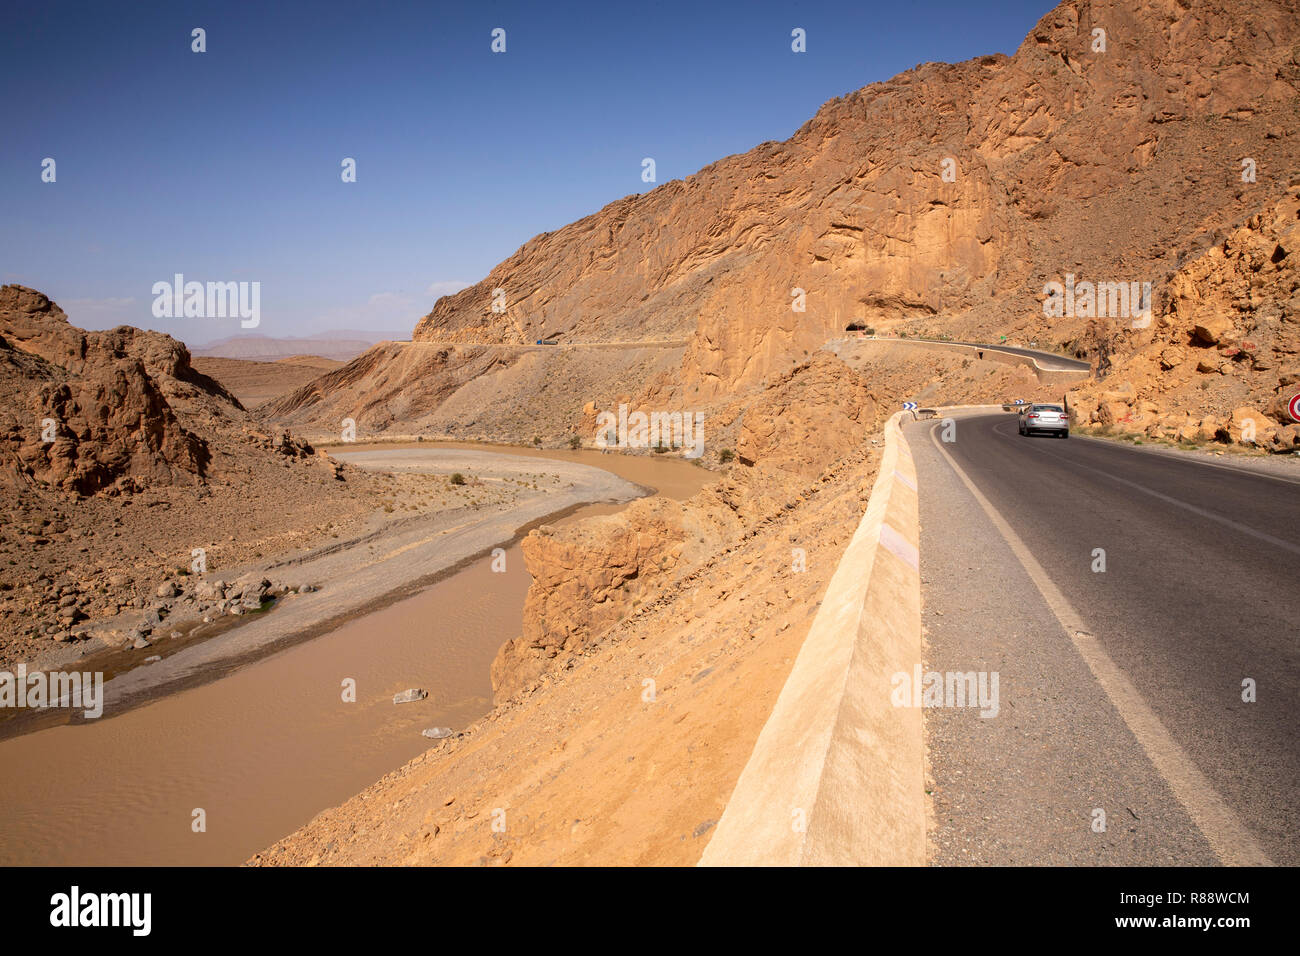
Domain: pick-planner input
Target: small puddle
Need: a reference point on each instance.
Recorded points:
(265, 748)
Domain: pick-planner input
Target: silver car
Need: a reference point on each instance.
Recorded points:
(1048, 419)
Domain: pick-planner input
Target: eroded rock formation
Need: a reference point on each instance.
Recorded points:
(1221, 358)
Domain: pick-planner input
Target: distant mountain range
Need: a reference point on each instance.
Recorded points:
(343, 345)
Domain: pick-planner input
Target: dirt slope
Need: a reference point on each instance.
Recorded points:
(654, 644)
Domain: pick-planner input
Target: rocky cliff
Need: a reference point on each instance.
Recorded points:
(1220, 359)
(944, 198)
(89, 409)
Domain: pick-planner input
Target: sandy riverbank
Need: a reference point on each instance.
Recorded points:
(503, 496)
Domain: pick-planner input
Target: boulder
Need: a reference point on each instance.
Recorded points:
(1250, 426)
(1285, 439)
(1112, 413)
(1171, 357)
(1212, 328)
(210, 590)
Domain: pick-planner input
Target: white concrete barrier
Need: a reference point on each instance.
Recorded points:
(837, 774)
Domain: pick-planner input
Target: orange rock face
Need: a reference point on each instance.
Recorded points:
(1110, 147)
(949, 191)
(1221, 360)
(91, 408)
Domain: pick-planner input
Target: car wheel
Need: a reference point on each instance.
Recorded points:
(1065, 434)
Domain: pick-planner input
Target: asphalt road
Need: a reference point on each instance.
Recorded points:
(1048, 360)
(1119, 690)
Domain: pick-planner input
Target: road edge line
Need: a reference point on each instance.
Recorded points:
(1228, 837)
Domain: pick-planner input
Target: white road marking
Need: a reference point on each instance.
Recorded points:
(1190, 458)
(1179, 503)
(1231, 841)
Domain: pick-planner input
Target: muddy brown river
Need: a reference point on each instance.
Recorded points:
(261, 750)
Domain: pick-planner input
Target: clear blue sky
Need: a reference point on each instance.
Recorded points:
(225, 165)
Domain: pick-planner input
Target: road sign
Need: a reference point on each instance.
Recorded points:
(1293, 406)
(909, 406)
(1018, 401)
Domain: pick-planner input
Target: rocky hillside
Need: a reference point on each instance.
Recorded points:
(1221, 358)
(118, 460)
(943, 198)
(590, 575)
(1053, 149)
(89, 411)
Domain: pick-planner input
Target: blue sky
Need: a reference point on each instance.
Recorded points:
(225, 165)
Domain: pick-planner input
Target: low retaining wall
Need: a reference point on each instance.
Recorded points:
(1046, 376)
(837, 775)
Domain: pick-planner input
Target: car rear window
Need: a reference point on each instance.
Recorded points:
(1048, 408)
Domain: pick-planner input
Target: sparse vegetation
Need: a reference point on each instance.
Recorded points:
(726, 455)
(457, 478)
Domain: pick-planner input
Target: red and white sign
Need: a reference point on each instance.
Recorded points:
(1293, 406)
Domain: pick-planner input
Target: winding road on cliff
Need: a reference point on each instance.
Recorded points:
(1129, 600)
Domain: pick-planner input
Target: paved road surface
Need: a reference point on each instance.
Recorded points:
(1118, 690)
(1048, 360)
